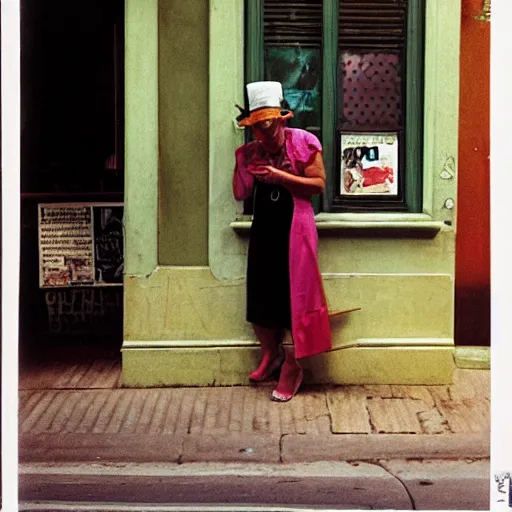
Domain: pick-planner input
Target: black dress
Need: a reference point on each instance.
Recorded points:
(268, 274)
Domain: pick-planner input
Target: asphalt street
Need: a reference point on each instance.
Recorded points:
(398, 485)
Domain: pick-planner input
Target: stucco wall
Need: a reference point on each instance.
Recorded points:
(404, 285)
(190, 304)
(183, 132)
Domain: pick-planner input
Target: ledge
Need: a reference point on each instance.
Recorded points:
(241, 343)
(383, 225)
(401, 361)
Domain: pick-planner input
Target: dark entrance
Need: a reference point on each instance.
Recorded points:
(72, 83)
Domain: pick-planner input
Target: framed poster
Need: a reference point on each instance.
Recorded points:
(80, 244)
(369, 164)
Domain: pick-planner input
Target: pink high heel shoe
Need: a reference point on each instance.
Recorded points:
(280, 396)
(272, 368)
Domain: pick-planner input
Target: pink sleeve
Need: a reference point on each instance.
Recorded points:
(243, 181)
(306, 145)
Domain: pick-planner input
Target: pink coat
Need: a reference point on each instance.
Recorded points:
(310, 317)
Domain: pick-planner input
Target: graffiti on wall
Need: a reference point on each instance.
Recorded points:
(82, 310)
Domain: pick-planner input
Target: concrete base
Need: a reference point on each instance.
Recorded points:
(473, 358)
(411, 361)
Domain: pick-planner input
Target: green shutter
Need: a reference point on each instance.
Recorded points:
(375, 24)
(292, 23)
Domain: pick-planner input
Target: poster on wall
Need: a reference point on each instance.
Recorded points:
(369, 163)
(80, 244)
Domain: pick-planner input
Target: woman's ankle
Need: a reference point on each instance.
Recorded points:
(291, 373)
(270, 363)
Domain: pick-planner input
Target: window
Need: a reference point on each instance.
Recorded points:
(352, 71)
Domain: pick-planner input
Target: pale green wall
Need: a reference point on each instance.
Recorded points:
(141, 136)
(404, 286)
(183, 125)
(375, 254)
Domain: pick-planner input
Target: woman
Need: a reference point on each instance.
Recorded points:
(283, 168)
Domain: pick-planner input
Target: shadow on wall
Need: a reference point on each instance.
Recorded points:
(473, 316)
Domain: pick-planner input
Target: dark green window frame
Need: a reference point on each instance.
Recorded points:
(409, 198)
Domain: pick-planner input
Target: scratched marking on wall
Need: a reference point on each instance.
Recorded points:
(80, 310)
(448, 171)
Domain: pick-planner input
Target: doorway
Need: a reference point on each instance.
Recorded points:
(72, 147)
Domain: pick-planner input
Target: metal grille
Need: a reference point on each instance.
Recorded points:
(372, 24)
(293, 23)
(372, 92)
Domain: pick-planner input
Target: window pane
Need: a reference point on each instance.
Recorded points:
(293, 40)
(370, 91)
(370, 96)
(299, 70)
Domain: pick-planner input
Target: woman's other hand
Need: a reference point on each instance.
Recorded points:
(313, 181)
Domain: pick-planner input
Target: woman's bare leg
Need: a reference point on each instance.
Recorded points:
(270, 341)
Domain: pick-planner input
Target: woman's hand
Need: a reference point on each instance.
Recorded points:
(313, 181)
(269, 174)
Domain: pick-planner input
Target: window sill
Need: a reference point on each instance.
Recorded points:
(383, 225)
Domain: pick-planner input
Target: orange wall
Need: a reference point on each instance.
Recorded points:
(472, 281)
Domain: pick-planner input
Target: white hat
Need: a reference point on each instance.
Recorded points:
(264, 103)
(264, 94)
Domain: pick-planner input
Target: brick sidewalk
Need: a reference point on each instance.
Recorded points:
(77, 411)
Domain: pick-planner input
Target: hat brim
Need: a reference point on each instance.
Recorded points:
(265, 114)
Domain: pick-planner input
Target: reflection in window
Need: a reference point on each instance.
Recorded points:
(299, 71)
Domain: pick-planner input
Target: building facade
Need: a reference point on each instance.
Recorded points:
(186, 64)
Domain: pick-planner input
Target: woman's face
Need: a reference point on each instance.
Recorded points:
(265, 125)
(270, 133)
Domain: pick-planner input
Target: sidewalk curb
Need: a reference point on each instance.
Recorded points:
(330, 484)
(249, 448)
(297, 448)
(391, 484)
